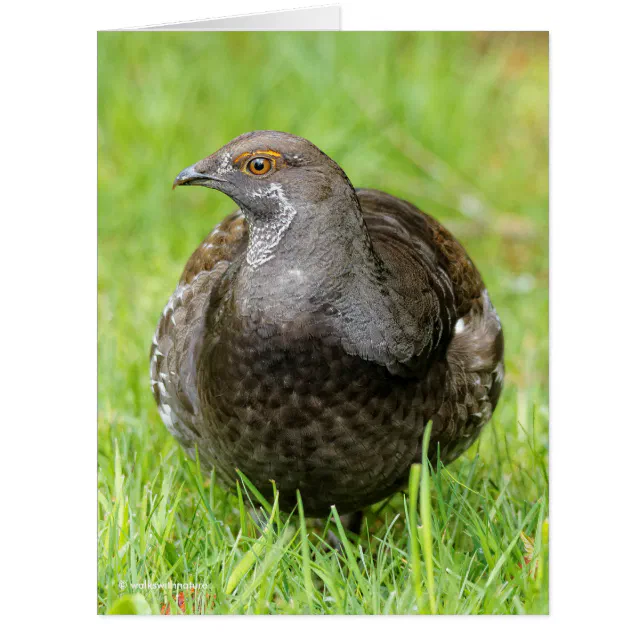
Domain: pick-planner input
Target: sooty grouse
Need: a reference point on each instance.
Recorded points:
(317, 330)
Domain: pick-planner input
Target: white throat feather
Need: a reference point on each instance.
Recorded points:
(264, 236)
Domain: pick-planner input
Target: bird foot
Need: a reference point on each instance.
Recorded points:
(352, 524)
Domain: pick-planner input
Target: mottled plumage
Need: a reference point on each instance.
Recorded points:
(316, 331)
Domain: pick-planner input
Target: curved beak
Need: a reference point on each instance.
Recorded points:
(190, 177)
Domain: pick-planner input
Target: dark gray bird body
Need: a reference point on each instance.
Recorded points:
(317, 330)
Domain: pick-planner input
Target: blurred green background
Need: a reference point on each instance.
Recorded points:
(457, 123)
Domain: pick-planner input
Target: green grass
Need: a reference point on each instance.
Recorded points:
(457, 124)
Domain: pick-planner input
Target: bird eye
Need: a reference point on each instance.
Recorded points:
(259, 165)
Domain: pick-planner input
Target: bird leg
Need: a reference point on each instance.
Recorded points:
(351, 523)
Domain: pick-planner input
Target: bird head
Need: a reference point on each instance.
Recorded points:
(268, 174)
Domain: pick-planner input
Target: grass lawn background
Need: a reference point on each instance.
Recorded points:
(457, 123)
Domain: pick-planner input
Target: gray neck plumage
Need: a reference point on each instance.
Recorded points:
(299, 252)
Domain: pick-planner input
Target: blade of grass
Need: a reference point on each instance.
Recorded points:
(513, 543)
(306, 558)
(350, 557)
(256, 493)
(255, 552)
(414, 554)
(426, 518)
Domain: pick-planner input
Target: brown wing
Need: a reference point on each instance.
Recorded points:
(389, 218)
(180, 330)
(474, 343)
